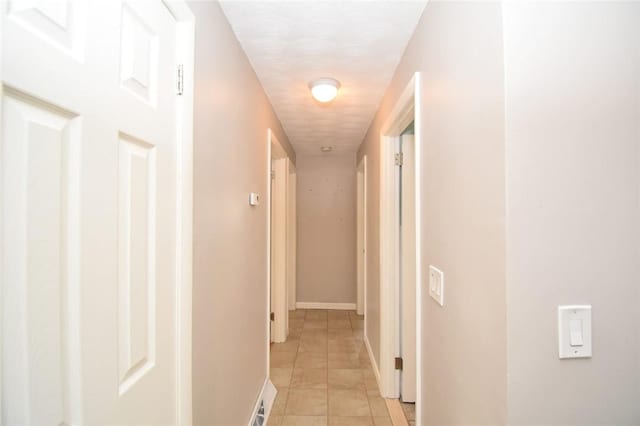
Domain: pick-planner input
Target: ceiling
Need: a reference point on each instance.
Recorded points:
(291, 43)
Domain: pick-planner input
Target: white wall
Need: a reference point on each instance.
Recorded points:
(573, 191)
(232, 115)
(326, 191)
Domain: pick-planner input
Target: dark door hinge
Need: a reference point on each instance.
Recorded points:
(398, 363)
(272, 316)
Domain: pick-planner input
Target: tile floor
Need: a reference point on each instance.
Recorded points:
(410, 413)
(323, 374)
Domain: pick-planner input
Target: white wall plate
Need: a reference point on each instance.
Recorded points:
(436, 284)
(574, 331)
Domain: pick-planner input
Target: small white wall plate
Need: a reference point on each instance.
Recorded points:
(574, 331)
(436, 284)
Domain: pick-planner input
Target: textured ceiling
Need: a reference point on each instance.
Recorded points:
(292, 43)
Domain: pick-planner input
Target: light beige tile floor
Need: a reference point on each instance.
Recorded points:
(323, 374)
(410, 413)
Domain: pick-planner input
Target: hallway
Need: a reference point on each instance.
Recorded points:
(251, 212)
(323, 374)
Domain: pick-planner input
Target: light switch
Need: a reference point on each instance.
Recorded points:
(436, 284)
(254, 199)
(574, 331)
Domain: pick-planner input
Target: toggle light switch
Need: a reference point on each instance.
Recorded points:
(574, 331)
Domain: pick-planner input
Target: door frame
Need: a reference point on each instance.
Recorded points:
(1, 220)
(407, 109)
(361, 245)
(277, 289)
(185, 41)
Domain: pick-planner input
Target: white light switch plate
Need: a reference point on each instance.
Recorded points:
(436, 284)
(254, 199)
(574, 331)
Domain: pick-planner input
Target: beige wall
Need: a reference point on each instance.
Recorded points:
(573, 156)
(326, 203)
(567, 207)
(458, 48)
(571, 98)
(232, 115)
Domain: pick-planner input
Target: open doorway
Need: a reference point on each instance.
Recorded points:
(400, 266)
(281, 239)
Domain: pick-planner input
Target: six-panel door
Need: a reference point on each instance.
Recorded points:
(88, 212)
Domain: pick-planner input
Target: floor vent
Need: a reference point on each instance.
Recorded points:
(259, 419)
(263, 405)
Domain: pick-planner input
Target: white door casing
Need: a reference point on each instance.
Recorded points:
(1, 229)
(408, 271)
(406, 110)
(96, 208)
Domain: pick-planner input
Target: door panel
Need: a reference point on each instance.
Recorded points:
(58, 23)
(136, 260)
(291, 240)
(40, 236)
(279, 249)
(89, 184)
(408, 267)
(361, 235)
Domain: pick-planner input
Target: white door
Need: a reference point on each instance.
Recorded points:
(279, 303)
(408, 271)
(272, 272)
(291, 240)
(88, 190)
(361, 234)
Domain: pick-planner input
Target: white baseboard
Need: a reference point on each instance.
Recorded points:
(398, 418)
(372, 359)
(268, 395)
(322, 305)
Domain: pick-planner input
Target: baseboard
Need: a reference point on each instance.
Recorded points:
(398, 418)
(322, 305)
(394, 407)
(372, 359)
(268, 395)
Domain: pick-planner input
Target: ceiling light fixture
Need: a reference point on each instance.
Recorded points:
(326, 149)
(324, 89)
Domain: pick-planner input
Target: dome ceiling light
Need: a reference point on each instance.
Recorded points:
(324, 89)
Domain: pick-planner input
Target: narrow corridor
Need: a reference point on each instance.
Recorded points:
(323, 374)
